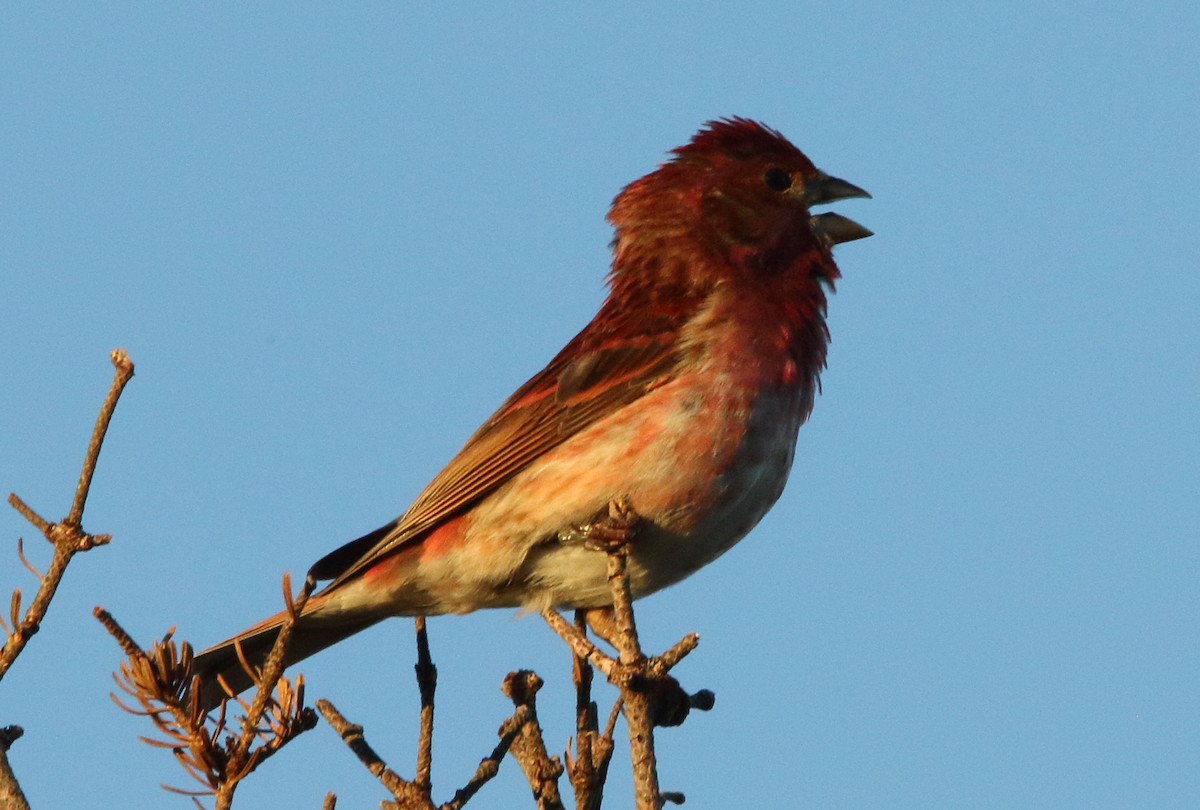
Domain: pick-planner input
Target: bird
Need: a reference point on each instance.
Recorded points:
(682, 398)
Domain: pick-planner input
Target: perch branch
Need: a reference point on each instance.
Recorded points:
(649, 695)
(67, 537)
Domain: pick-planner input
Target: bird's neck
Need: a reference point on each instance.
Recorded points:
(764, 308)
(780, 343)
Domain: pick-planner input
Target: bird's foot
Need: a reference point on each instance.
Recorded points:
(608, 533)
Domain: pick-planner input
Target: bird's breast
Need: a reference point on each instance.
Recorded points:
(700, 458)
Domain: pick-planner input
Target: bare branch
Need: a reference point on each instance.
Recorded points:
(637, 710)
(580, 644)
(124, 373)
(519, 732)
(427, 685)
(287, 717)
(529, 749)
(649, 695)
(67, 537)
(26, 511)
(490, 765)
(10, 790)
(588, 768)
(406, 793)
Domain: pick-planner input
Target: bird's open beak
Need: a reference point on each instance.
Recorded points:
(825, 189)
(833, 228)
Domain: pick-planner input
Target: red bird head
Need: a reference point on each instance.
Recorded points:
(732, 204)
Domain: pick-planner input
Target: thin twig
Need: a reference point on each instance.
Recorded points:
(241, 760)
(25, 560)
(518, 731)
(509, 733)
(124, 373)
(581, 676)
(588, 769)
(427, 686)
(639, 718)
(610, 727)
(352, 734)
(26, 511)
(628, 646)
(679, 650)
(529, 748)
(649, 695)
(67, 537)
(167, 691)
(579, 643)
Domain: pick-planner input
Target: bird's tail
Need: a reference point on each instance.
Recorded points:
(312, 634)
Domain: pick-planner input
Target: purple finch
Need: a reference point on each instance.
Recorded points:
(682, 398)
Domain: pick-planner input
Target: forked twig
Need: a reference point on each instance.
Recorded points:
(352, 735)
(68, 539)
(649, 695)
(409, 795)
(588, 768)
(518, 733)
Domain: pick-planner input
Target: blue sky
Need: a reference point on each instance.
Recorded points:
(334, 239)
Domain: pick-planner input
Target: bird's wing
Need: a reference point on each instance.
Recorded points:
(580, 386)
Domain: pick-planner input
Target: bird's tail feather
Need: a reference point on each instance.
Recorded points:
(311, 635)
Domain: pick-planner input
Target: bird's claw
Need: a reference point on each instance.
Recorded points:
(609, 533)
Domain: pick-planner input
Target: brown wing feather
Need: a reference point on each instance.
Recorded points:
(577, 388)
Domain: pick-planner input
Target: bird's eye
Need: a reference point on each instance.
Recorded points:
(777, 179)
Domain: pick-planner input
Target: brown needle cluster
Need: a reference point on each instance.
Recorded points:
(215, 751)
